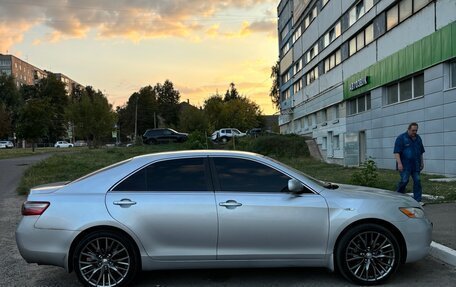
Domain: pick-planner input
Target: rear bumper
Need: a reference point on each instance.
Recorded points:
(43, 246)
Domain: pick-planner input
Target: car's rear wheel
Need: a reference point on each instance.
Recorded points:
(368, 254)
(224, 139)
(105, 258)
(151, 141)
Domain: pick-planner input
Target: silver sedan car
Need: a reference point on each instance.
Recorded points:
(217, 209)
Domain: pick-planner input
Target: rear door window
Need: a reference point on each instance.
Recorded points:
(189, 174)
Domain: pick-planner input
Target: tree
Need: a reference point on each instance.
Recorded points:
(92, 115)
(213, 107)
(274, 92)
(192, 119)
(237, 112)
(145, 101)
(231, 93)
(34, 120)
(10, 103)
(5, 121)
(168, 102)
(52, 92)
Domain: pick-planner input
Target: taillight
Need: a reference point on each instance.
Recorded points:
(34, 207)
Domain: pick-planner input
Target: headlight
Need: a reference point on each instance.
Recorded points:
(412, 212)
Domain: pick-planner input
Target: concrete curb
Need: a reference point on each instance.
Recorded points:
(443, 253)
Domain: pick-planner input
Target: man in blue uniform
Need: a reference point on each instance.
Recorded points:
(408, 151)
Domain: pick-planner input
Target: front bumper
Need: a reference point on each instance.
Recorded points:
(417, 234)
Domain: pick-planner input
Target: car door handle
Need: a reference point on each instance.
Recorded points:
(124, 202)
(230, 204)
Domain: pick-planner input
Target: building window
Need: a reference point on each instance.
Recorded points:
(453, 74)
(403, 10)
(392, 18)
(332, 61)
(297, 67)
(297, 86)
(359, 10)
(312, 75)
(332, 35)
(312, 53)
(336, 142)
(304, 124)
(5, 63)
(286, 77)
(404, 90)
(286, 48)
(336, 112)
(285, 95)
(309, 18)
(313, 119)
(361, 40)
(418, 4)
(324, 143)
(297, 35)
(359, 105)
(285, 31)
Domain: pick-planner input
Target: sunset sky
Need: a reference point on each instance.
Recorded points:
(119, 46)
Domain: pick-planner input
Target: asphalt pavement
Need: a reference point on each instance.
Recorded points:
(443, 217)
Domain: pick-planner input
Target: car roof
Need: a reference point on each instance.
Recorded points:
(197, 153)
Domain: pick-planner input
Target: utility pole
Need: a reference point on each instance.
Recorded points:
(136, 118)
(155, 121)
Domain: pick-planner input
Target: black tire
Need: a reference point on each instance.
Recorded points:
(224, 139)
(113, 258)
(151, 141)
(368, 254)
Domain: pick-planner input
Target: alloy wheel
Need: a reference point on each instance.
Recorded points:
(370, 256)
(104, 261)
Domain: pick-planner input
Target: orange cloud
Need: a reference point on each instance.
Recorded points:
(135, 20)
(12, 33)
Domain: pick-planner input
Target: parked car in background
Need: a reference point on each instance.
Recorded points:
(155, 136)
(60, 144)
(226, 134)
(255, 132)
(80, 143)
(6, 144)
(215, 209)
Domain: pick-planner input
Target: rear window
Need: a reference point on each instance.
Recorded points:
(103, 169)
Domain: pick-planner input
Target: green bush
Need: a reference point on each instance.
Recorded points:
(367, 175)
(197, 140)
(275, 145)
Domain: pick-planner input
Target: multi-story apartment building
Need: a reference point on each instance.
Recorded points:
(27, 74)
(355, 73)
(23, 72)
(70, 85)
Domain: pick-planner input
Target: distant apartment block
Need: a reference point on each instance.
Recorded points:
(355, 73)
(27, 74)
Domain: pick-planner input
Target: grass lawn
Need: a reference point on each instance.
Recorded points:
(69, 166)
(21, 152)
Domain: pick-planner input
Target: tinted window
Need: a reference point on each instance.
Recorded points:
(249, 176)
(171, 175)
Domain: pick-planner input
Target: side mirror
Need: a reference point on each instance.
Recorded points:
(295, 186)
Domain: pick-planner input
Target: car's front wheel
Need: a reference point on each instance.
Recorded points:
(105, 258)
(368, 254)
